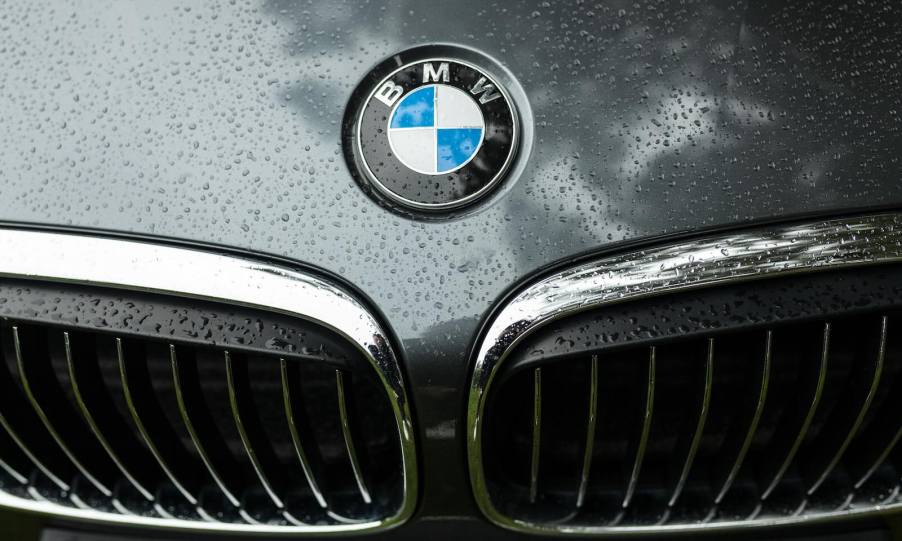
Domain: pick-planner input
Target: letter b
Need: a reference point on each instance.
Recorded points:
(389, 93)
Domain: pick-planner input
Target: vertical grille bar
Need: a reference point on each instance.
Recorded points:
(290, 391)
(590, 433)
(349, 438)
(753, 425)
(536, 435)
(65, 419)
(12, 461)
(201, 427)
(809, 416)
(646, 428)
(866, 404)
(256, 445)
(161, 440)
(699, 426)
(131, 461)
(15, 412)
(240, 410)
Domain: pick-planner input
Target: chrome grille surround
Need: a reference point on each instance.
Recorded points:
(737, 257)
(190, 273)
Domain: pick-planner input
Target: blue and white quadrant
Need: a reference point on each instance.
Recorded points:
(436, 129)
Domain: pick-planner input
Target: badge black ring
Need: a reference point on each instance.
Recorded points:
(457, 203)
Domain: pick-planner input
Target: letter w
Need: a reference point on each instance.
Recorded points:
(488, 91)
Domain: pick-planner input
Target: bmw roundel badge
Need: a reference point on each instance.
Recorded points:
(436, 134)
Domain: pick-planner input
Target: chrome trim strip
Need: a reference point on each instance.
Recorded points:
(730, 258)
(191, 273)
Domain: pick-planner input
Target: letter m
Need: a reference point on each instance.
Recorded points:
(429, 72)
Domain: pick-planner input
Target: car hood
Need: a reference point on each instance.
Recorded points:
(222, 124)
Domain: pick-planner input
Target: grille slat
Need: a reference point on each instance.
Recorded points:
(861, 394)
(248, 428)
(201, 427)
(291, 390)
(876, 443)
(16, 414)
(100, 414)
(704, 405)
(753, 423)
(255, 442)
(642, 445)
(535, 455)
(779, 461)
(148, 417)
(64, 424)
(348, 438)
(591, 422)
(13, 461)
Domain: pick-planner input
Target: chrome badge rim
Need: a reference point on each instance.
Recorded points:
(384, 157)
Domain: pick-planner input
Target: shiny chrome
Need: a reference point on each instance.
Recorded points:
(191, 273)
(753, 424)
(591, 421)
(142, 428)
(809, 417)
(496, 178)
(13, 472)
(26, 448)
(646, 429)
(536, 434)
(36, 405)
(242, 433)
(92, 423)
(349, 438)
(199, 445)
(865, 406)
(731, 258)
(287, 396)
(239, 404)
(881, 458)
(699, 426)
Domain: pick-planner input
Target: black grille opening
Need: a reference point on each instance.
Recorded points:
(153, 406)
(734, 404)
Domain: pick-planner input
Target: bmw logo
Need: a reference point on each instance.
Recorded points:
(436, 134)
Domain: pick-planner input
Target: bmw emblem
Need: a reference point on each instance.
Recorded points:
(436, 134)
